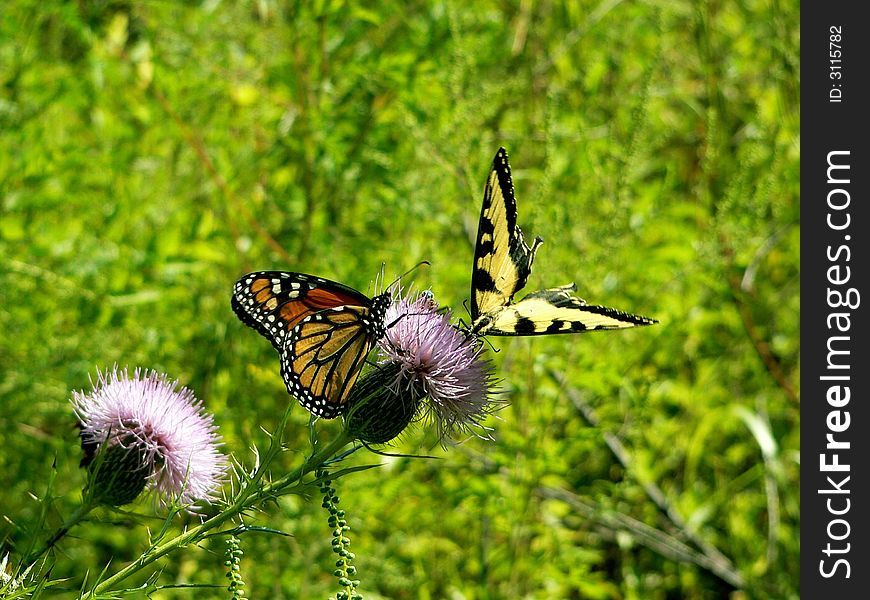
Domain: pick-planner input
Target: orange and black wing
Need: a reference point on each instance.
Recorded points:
(274, 302)
(322, 329)
(324, 355)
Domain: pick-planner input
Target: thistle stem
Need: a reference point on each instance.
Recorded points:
(247, 497)
(74, 519)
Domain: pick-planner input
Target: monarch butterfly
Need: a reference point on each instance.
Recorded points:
(502, 264)
(322, 329)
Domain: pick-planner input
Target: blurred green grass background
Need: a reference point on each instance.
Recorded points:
(153, 152)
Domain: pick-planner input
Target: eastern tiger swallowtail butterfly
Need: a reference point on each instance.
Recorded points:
(502, 264)
(323, 331)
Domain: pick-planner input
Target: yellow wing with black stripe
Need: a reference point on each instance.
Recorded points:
(502, 264)
(502, 259)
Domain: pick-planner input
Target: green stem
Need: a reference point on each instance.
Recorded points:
(74, 519)
(317, 460)
(246, 498)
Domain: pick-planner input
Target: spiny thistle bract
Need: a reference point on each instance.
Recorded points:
(377, 412)
(147, 432)
(120, 473)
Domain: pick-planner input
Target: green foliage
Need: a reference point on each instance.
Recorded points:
(151, 153)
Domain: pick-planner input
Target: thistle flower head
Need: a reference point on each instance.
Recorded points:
(432, 364)
(152, 432)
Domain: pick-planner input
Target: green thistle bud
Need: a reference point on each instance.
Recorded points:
(377, 411)
(121, 475)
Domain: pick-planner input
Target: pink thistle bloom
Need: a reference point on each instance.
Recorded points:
(174, 439)
(439, 361)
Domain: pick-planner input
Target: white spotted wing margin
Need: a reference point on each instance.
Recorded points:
(502, 264)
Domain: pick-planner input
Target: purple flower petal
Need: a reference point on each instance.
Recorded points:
(175, 434)
(441, 361)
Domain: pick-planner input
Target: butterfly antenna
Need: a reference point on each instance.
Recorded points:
(402, 316)
(406, 273)
(424, 294)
